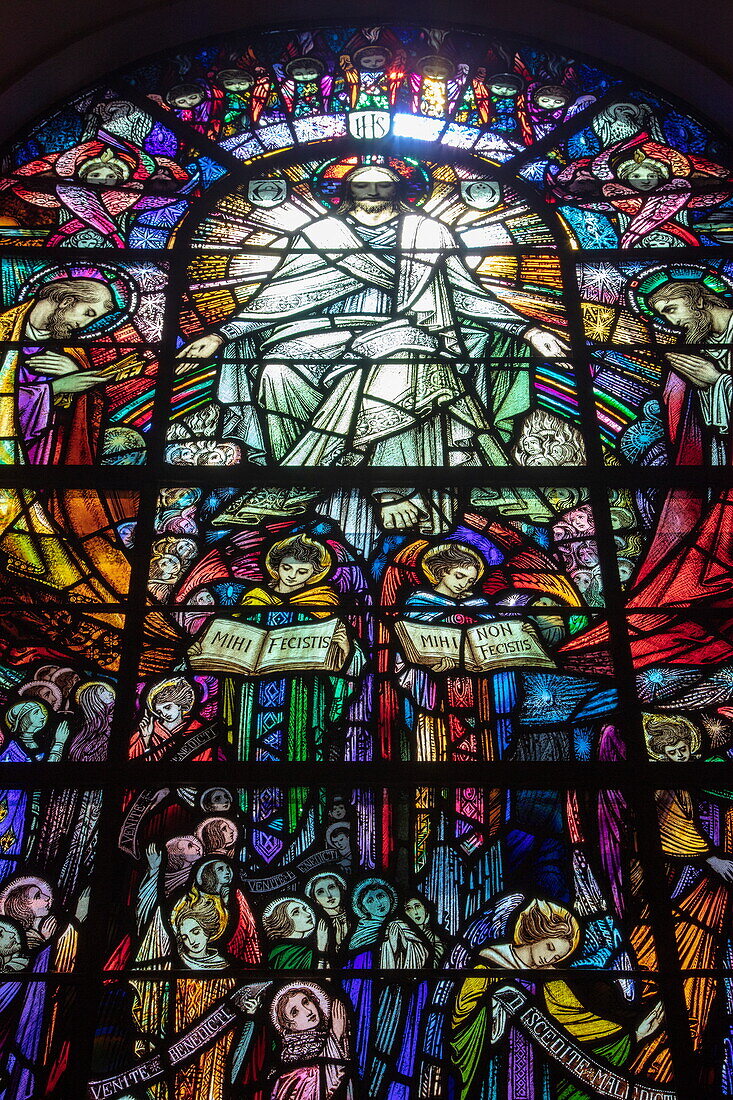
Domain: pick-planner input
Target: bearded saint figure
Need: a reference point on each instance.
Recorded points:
(689, 559)
(373, 337)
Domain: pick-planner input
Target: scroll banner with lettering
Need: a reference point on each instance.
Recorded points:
(146, 801)
(602, 1080)
(187, 1045)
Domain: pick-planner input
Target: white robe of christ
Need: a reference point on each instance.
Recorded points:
(362, 336)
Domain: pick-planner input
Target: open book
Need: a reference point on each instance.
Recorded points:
(485, 647)
(231, 646)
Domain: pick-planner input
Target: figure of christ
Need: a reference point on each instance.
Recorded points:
(48, 413)
(290, 717)
(363, 333)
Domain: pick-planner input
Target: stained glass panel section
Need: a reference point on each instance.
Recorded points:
(366, 757)
(408, 922)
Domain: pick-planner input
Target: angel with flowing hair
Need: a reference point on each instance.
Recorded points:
(97, 186)
(535, 935)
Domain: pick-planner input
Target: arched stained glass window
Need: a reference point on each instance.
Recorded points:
(366, 658)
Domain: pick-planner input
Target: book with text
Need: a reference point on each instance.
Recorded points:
(484, 647)
(231, 646)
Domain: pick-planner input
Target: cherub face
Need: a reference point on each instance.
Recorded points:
(294, 574)
(436, 70)
(241, 83)
(459, 580)
(104, 175)
(643, 178)
(373, 61)
(186, 101)
(304, 72)
(503, 89)
(301, 1013)
(548, 101)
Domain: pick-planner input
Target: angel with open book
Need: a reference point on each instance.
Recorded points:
(306, 668)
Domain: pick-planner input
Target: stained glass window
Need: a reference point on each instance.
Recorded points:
(366, 664)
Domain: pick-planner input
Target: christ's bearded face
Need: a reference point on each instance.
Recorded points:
(373, 191)
(694, 320)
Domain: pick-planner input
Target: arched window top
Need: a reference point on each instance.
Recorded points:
(235, 144)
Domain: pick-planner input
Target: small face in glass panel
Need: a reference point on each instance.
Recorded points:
(327, 893)
(192, 937)
(235, 80)
(169, 713)
(642, 174)
(300, 1012)
(436, 68)
(304, 70)
(185, 97)
(222, 872)
(293, 574)
(372, 60)
(416, 911)
(372, 188)
(678, 753)
(551, 98)
(377, 902)
(458, 581)
(505, 86)
(302, 919)
(549, 952)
